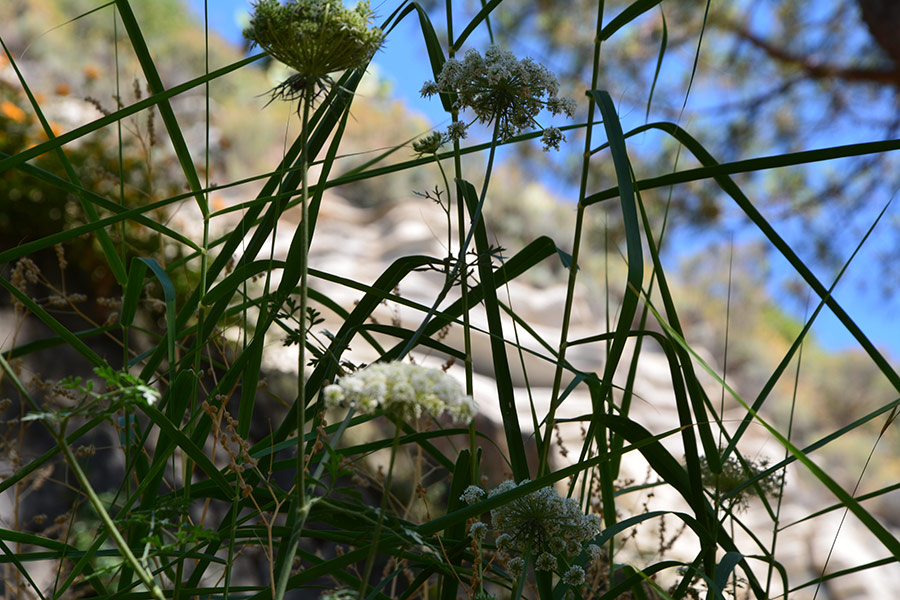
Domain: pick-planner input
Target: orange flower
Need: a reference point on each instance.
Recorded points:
(62, 89)
(13, 112)
(55, 128)
(91, 72)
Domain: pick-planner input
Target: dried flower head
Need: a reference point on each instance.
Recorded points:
(315, 38)
(734, 475)
(542, 521)
(574, 576)
(478, 530)
(516, 566)
(403, 389)
(502, 90)
(472, 494)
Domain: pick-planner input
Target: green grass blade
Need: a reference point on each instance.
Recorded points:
(505, 390)
(177, 437)
(871, 523)
(50, 321)
(169, 297)
(432, 46)
(19, 159)
(46, 343)
(139, 44)
(631, 12)
(663, 42)
(696, 393)
(132, 295)
(486, 9)
(712, 169)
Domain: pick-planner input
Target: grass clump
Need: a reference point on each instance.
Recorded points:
(229, 487)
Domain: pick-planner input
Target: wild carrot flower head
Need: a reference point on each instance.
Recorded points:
(403, 389)
(472, 494)
(734, 475)
(574, 576)
(313, 37)
(503, 90)
(542, 522)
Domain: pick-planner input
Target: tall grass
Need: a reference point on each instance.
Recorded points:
(202, 497)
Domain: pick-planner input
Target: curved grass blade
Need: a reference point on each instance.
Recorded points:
(432, 46)
(481, 15)
(696, 393)
(169, 297)
(712, 169)
(659, 61)
(631, 12)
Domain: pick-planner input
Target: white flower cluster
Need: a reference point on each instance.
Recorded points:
(542, 520)
(403, 389)
(472, 494)
(499, 88)
(545, 524)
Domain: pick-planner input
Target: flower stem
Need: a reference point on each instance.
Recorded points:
(543, 461)
(379, 526)
(460, 268)
(299, 508)
(97, 504)
(304, 272)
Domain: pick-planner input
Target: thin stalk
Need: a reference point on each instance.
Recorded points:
(461, 218)
(460, 268)
(543, 462)
(370, 559)
(468, 365)
(790, 430)
(187, 463)
(300, 505)
(97, 504)
(304, 273)
(447, 211)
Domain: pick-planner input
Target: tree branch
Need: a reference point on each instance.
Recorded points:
(818, 70)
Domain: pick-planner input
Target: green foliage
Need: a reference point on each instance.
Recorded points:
(221, 472)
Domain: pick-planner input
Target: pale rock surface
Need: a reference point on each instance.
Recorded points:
(360, 244)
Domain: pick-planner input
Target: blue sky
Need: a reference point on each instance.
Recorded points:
(403, 63)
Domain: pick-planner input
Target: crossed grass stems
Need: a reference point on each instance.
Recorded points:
(423, 541)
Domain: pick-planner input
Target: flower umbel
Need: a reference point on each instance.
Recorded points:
(472, 494)
(403, 389)
(542, 522)
(734, 475)
(503, 90)
(315, 38)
